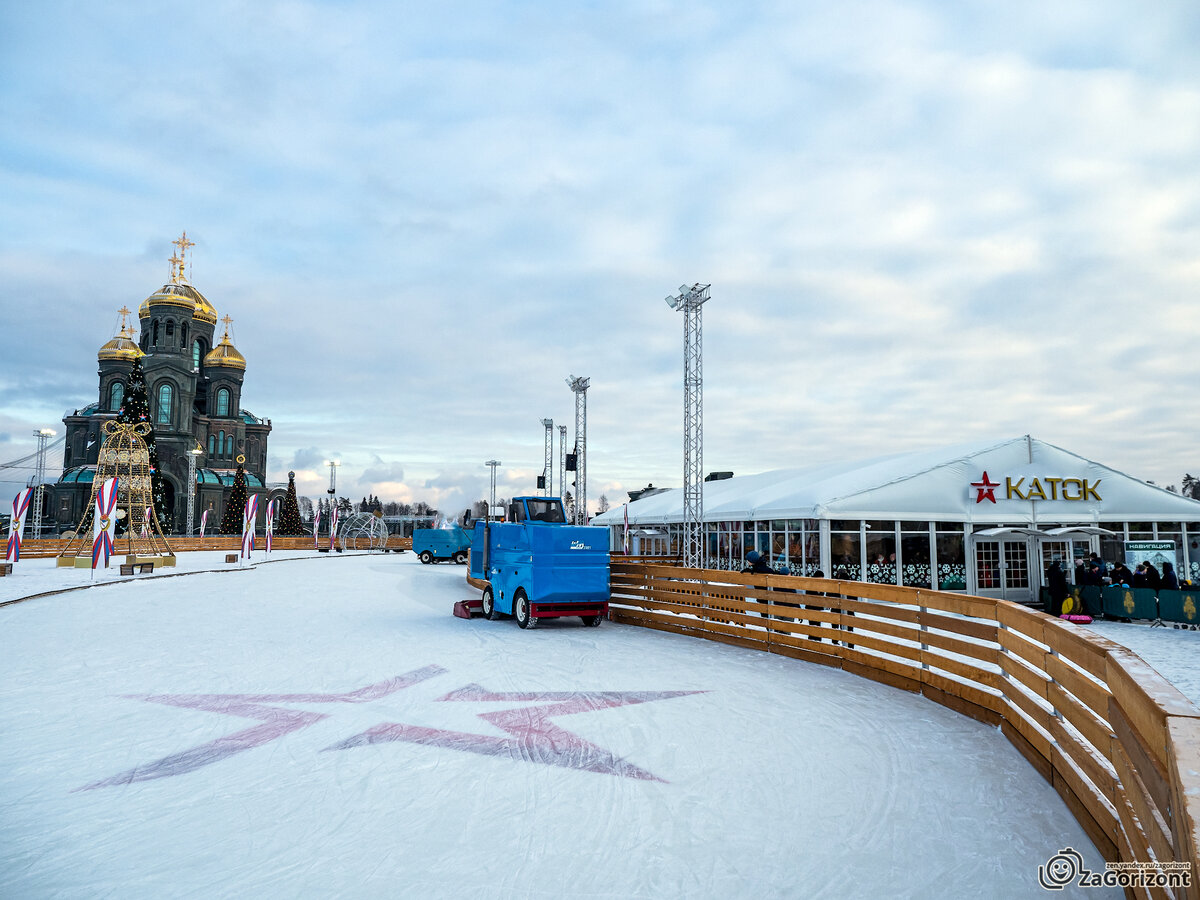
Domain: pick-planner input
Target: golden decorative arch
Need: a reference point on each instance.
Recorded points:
(125, 456)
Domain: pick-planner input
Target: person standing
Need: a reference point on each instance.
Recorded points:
(1056, 581)
(1170, 581)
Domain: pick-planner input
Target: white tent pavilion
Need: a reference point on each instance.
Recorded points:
(986, 517)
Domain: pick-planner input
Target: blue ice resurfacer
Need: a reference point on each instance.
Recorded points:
(434, 544)
(538, 567)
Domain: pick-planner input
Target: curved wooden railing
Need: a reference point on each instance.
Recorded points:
(43, 547)
(1118, 742)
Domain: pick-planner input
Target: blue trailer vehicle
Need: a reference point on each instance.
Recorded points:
(435, 544)
(538, 567)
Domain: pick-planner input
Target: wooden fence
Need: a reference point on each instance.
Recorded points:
(1118, 742)
(36, 549)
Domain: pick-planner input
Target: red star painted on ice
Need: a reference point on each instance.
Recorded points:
(533, 737)
(985, 490)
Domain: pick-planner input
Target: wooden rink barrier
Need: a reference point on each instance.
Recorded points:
(45, 547)
(1119, 743)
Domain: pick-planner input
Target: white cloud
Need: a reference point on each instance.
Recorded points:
(921, 224)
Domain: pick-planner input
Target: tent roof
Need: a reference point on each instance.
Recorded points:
(941, 485)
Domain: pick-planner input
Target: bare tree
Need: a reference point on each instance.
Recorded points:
(602, 504)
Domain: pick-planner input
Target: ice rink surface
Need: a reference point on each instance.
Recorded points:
(324, 727)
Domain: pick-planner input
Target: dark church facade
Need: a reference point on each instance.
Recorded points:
(194, 387)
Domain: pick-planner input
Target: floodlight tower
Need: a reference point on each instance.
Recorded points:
(39, 490)
(548, 470)
(562, 460)
(690, 302)
(492, 463)
(580, 387)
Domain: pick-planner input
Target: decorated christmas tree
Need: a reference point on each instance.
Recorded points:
(235, 507)
(289, 514)
(135, 407)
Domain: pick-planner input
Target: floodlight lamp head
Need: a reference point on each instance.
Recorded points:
(549, 423)
(683, 289)
(48, 432)
(673, 302)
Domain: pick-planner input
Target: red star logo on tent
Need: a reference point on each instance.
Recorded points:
(533, 737)
(985, 490)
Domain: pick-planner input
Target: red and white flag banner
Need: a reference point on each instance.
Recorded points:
(16, 526)
(249, 522)
(105, 523)
(271, 509)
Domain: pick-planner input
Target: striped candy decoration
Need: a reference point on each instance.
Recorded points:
(17, 525)
(316, 528)
(203, 523)
(333, 517)
(248, 525)
(146, 522)
(106, 523)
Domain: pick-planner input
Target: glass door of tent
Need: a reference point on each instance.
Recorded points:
(1002, 570)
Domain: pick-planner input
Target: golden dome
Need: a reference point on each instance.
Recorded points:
(225, 354)
(178, 292)
(121, 347)
(182, 296)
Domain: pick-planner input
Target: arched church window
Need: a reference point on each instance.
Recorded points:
(196, 354)
(220, 443)
(211, 451)
(223, 402)
(164, 403)
(154, 333)
(170, 332)
(116, 393)
(229, 445)
(183, 335)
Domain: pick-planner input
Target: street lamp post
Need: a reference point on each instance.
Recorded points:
(191, 506)
(690, 301)
(39, 490)
(333, 467)
(492, 463)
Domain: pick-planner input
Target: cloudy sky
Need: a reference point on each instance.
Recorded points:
(923, 223)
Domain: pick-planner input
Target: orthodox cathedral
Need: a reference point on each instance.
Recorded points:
(194, 389)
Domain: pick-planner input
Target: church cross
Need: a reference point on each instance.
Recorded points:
(183, 243)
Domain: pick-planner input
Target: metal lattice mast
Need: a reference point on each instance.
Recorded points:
(191, 505)
(580, 387)
(548, 470)
(562, 460)
(492, 463)
(39, 489)
(690, 301)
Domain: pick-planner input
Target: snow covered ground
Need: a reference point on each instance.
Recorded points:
(324, 727)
